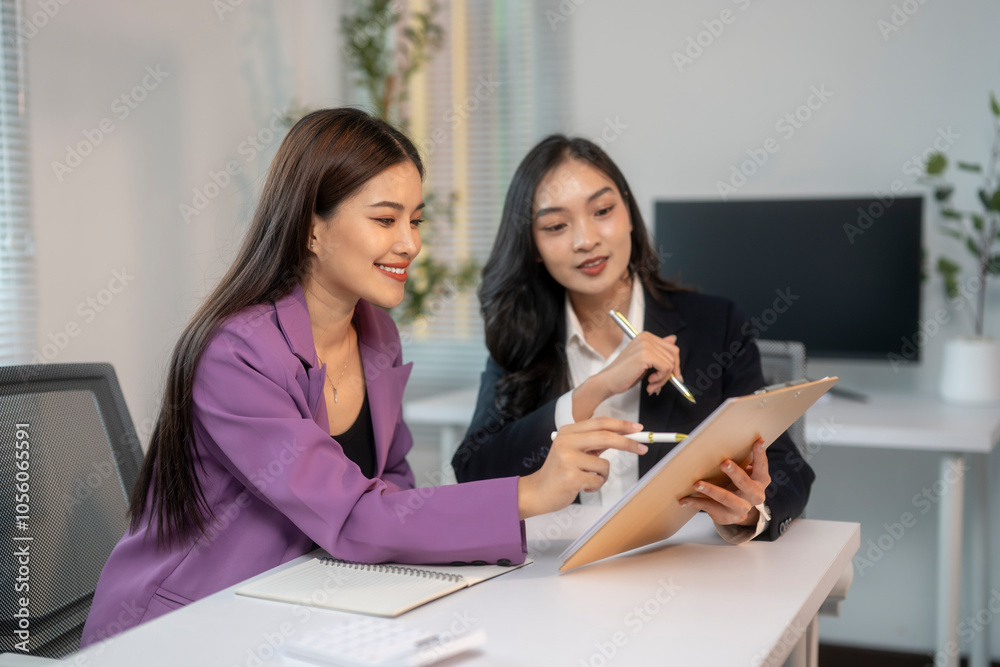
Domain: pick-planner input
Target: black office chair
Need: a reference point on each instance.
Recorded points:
(83, 459)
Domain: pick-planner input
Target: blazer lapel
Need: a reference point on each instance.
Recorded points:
(293, 320)
(385, 382)
(655, 411)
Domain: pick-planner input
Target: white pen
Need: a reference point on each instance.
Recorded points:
(647, 436)
(629, 330)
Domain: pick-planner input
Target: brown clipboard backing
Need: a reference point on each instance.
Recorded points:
(650, 511)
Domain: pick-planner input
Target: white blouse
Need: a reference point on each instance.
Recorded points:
(584, 361)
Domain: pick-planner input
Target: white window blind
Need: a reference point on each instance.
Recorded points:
(493, 91)
(17, 285)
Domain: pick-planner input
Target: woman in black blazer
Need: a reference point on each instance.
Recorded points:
(571, 246)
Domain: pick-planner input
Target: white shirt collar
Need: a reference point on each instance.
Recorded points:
(636, 315)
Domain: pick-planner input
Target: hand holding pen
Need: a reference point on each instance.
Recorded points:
(632, 334)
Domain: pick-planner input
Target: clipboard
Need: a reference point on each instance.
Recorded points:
(650, 511)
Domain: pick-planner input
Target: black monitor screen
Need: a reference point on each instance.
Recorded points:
(841, 275)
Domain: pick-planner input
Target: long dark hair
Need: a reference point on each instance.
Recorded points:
(522, 305)
(326, 158)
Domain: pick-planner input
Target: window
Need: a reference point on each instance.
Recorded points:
(494, 90)
(17, 285)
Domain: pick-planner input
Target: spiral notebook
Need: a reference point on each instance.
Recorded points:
(383, 589)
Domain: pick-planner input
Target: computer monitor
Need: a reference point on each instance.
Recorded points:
(840, 275)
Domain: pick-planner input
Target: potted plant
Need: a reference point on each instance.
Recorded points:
(971, 366)
(385, 48)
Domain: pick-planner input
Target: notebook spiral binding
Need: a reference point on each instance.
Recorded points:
(392, 569)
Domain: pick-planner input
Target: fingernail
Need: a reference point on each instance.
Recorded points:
(699, 487)
(683, 503)
(643, 448)
(729, 466)
(637, 426)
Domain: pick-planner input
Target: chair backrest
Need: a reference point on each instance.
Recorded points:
(782, 361)
(69, 457)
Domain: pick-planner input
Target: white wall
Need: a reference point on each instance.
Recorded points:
(684, 128)
(220, 75)
(118, 210)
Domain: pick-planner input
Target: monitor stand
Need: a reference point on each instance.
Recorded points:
(849, 394)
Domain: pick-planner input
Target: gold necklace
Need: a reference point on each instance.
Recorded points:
(334, 386)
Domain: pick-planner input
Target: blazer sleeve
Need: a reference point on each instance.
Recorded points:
(246, 416)
(493, 447)
(791, 475)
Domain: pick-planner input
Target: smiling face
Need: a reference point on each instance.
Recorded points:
(582, 229)
(363, 250)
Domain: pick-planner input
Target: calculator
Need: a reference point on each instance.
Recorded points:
(378, 642)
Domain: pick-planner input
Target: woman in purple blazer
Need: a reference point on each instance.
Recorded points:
(281, 424)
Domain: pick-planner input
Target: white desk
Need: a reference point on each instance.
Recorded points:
(684, 602)
(451, 413)
(962, 435)
(965, 437)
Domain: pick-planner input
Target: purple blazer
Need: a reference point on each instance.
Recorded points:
(278, 484)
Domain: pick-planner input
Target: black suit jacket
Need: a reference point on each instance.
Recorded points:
(719, 359)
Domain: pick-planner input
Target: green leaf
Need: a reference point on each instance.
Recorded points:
(977, 222)
(943, 193)
(949, 271)
(936, 164)
(953, 233)
(994, 266)
(994, 106)
(969, 166)
(973, 248)
(985, 199)
(995, 201)
(945, 265)
(951, 213)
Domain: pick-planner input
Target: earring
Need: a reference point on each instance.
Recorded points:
(310, 245)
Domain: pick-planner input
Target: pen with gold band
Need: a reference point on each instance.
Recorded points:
(647, 436)
(626, 326)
